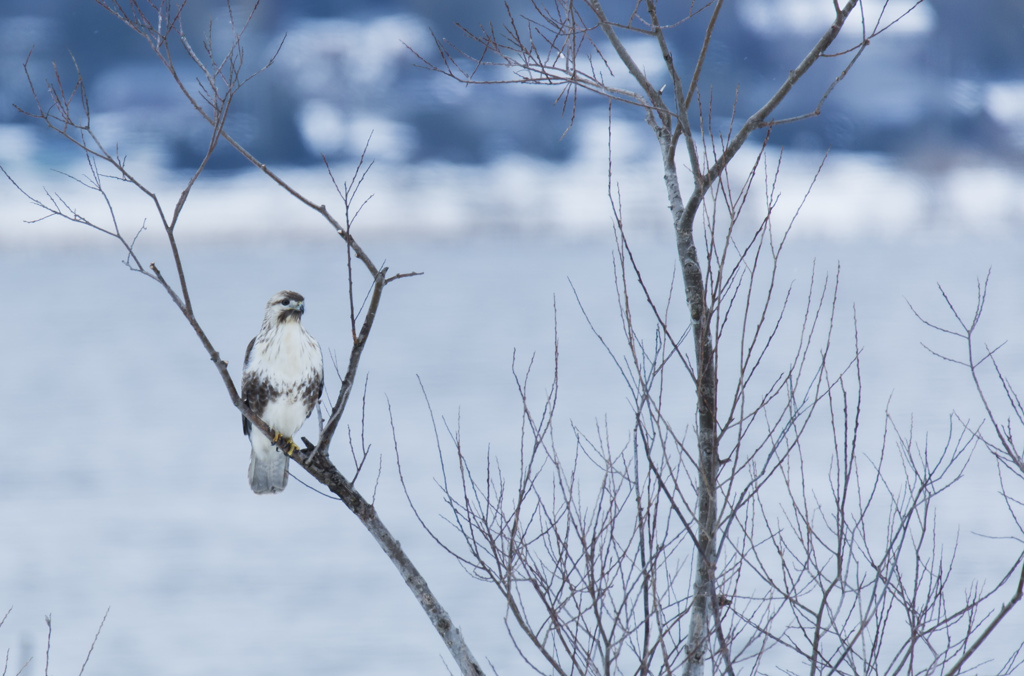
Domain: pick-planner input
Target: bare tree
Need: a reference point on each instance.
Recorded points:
(49, 641)
(220, 72)
(1002, 414)
(710, 537)
(704, 536)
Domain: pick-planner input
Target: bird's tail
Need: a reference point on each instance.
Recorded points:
(268, 467)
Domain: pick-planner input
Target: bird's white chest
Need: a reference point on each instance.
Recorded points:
(286, 356)
(286, 362)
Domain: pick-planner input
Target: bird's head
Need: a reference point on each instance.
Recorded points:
(285, 306)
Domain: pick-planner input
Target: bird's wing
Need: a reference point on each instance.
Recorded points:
(248, 351)
(319, 375)
(318, 386)
(246, 425)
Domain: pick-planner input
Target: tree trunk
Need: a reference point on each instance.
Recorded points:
(707, 404)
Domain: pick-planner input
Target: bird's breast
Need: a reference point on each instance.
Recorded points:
(287, 355)
(285, 368)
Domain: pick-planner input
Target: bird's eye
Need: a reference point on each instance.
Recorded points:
(286, 301)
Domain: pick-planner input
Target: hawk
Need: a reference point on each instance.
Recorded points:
(282, 378)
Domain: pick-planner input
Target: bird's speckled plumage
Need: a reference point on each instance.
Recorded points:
(282, 379)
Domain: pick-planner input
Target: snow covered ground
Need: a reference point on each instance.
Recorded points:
(124, 481)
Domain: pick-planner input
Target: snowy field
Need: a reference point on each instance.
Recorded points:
(124, 481)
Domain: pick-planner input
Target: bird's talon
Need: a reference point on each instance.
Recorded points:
(289, 446)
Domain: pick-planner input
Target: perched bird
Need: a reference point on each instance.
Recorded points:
(282, 378)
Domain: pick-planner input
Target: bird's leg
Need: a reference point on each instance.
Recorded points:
(289, 446)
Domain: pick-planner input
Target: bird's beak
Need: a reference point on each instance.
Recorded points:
(301, 307)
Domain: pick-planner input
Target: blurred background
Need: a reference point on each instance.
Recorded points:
(124, 466)
(943, 83)
(926, 131)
